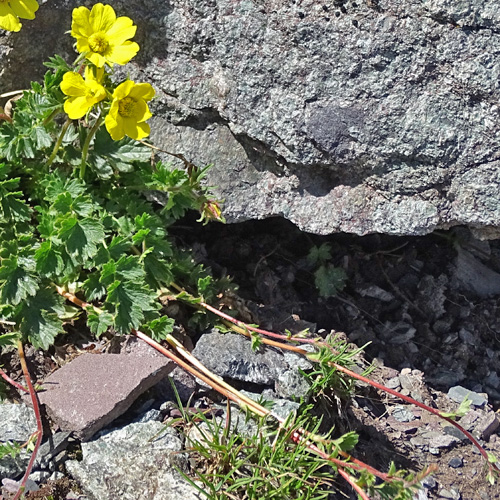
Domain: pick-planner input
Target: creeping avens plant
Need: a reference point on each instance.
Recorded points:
(61, 225)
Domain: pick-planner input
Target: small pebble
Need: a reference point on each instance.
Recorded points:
(392, 383)
(402, 414)
(456, 462)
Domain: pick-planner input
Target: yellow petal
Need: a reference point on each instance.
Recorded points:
(135, 130)
(97, 91)
(77, 107)
(73, 84)
(96, 59)
(102, 17)
(8, 20)
(122, 30)
(141, 111)
(142, 91)
(113, 125)
(24, 9)
(80, 25)
(123, 89)
(121, 54)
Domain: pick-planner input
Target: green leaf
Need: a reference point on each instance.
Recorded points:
(39, 318)
(461, 411)
(48, 260)
(16, 282)
(129, 301)
(159, 328)
(120, 155)
(8, 339)
(99, 323)
(81, 237)
(319, 255)
(329, 280)
(347, 442)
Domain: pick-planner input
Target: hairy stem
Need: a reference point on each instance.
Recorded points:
(86, 145)
(58, 143)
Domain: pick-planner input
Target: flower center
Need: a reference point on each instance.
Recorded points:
(126, 107)
(98, 42)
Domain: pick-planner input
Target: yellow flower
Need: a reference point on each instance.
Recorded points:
(83, 94)
(12, 10)
(102, 37)
(129, 111)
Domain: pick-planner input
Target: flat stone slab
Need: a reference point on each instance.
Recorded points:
(92, 390)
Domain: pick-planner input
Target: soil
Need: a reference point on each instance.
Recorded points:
(427, 306)
(421, 305)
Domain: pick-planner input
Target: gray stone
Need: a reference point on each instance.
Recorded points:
(392, 383)
(231, 356)
(40, 477)
(185, 385)
(403, 414)
(492, 380)
(456, 462)
(474, 276)
(130, 463)
(459, 393)
(291, 384)
(51, 447)
(487, 425)
(18, 422)
(281, 407)
(451, 494)
(375, 292)
(378, 120)
(91, 391)
(434, 439)
(295, 361)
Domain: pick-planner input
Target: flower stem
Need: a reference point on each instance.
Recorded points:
(85, 149)
(59, 142)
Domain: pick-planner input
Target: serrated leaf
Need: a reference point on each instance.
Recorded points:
(329, 280)
(120, 155)
(319, 255)
(81, 236)
(48, 260)
(99, 323)
(130, 301)
(16, 282)
(159, 328)
(93, 287)
(39, 318)
(347, 442)
(41, 137)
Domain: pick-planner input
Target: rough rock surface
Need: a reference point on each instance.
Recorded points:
(17, 424)
(92, 390)
(370, 116)
(134, 462)
(231, 357)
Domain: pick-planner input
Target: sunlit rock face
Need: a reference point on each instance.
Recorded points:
(367, 116)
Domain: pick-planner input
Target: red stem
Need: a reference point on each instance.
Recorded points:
(254, 329)
(353, 484)
(354, 375)
(408, 399)
(12, 382)
(36, 408)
